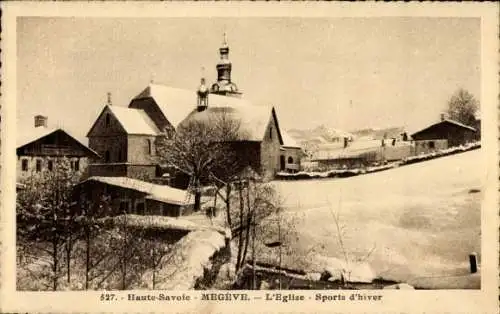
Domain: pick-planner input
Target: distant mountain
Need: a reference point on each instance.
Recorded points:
(318, 136)
(323, 137)
(378, 134)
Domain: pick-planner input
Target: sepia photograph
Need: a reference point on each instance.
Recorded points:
(157, 155)
(248, 153)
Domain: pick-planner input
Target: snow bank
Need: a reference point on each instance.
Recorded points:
(352, 272)
(441, 153)
(186, 262)
(163, 223)
(318, 175)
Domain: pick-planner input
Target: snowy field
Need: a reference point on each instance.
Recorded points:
(419, 221)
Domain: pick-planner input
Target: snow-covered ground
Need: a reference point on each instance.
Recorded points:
(420, 220)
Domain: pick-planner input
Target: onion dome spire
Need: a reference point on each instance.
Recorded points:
(224, 85)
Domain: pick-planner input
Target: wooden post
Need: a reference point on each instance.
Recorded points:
(473, 262)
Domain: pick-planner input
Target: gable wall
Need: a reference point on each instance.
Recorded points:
(55, 144)
(270, 150)
(116, 145)
(100, 128)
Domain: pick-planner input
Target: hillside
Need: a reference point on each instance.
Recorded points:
(419, 221)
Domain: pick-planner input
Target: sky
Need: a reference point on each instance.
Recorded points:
(345, 73)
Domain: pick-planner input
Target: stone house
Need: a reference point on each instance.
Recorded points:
(125, 139)
(39, 147)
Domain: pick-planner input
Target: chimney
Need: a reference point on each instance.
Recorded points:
(443, 116)
(40, 121)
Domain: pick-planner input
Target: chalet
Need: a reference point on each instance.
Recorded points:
(39, 147)
(444, 134)
(125, 137)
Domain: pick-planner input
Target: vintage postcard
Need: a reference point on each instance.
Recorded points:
(249, 157)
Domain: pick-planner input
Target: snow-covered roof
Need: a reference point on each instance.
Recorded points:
(28, 134)
(161, 193)
(134, 121)
(449, 121)
(288, 141)
(253, 119)
(177, 103)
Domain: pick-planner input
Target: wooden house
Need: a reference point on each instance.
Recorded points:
(444, 134)
(39, 147)
(111, 196)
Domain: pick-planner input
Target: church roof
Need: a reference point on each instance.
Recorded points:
(176, 103)
(253, 119)
(134, 121)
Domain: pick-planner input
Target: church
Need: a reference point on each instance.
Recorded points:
(124, 137)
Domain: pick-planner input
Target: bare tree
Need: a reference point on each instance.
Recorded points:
(257, 201)
(45, 214)
(463, 106)
(201, 148)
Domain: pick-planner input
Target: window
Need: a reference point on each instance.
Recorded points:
(50, 165)
(271, 133)
(76, 165)
(432, 145)
(24, 164)
(108, 120)
(290, 160)
(106, 156)
(140, 208)
(150, 148)
(38, 165)
(124, 206)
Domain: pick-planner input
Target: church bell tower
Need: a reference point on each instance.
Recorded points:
(224, 85)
